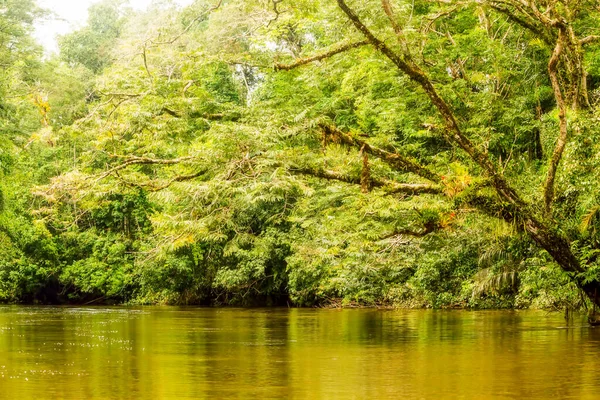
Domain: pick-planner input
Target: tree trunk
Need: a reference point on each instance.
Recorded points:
(559, 249)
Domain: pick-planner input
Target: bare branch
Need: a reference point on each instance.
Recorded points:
(589, 39)
(562, 116)
(319, 57)
(523, 19)
(145, 58)
(119, 94)
(276, 11)
(189, 26)
(387, 8)
(530, 7)
(115, 107)
(439, 15)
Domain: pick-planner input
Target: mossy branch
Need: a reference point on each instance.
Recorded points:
(303, 61)
(389, 186)
(396, 160)
(135, 160)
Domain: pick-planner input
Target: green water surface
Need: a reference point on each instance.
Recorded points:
(184, 353)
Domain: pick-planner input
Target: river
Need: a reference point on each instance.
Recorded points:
(211, 353)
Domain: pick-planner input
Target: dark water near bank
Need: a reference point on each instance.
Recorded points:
(154, 353)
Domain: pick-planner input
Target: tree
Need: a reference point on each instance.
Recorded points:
(91, 46)
(19, 57)
(320, 151)
(556, 22)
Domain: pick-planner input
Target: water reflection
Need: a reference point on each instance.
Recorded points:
(151, 353)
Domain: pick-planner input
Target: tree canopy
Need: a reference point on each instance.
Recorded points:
(422, 153)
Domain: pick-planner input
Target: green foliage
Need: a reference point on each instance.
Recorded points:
(162, 159)
(91, 46)
(19, 63)
(123, 213)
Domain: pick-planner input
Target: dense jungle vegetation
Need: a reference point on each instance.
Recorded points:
(422, 153)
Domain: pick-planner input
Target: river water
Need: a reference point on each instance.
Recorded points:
(204, 353)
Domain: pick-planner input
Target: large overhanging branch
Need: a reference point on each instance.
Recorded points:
(319, 57)
(389, 186)
(555, 244)
(395, 160)
(452, 133)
